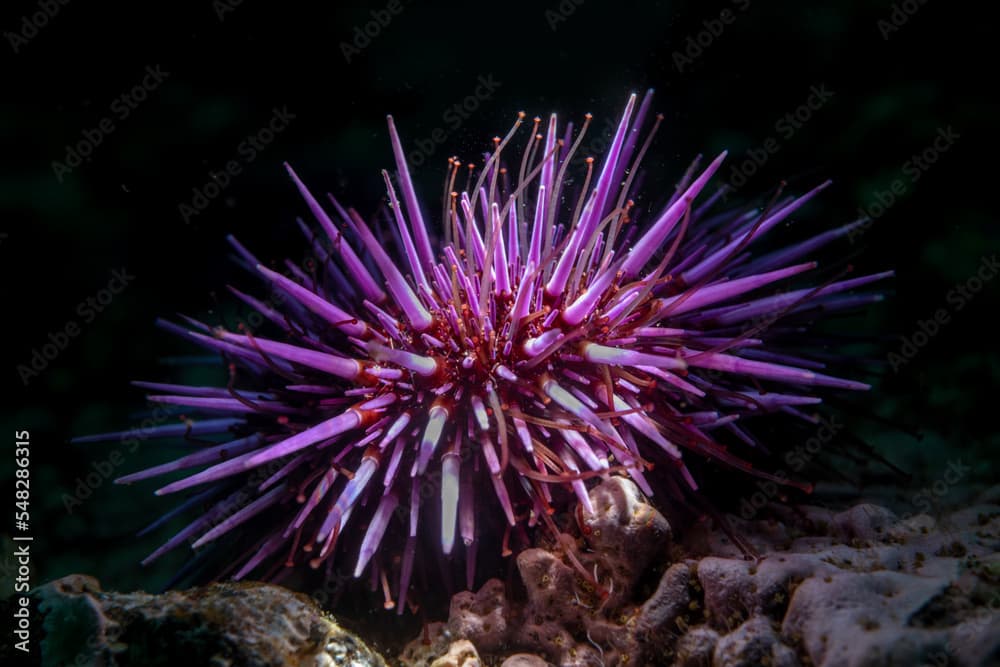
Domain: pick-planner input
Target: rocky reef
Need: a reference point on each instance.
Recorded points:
(861, 587)
(223, 625)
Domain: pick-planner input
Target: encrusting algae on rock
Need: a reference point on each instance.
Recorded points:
(859, 587)
(222, 625)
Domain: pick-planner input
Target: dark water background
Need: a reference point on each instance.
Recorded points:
(64, 234)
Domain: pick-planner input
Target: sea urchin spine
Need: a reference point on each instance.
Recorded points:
(544, 341)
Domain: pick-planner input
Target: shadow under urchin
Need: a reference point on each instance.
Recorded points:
(407, 406)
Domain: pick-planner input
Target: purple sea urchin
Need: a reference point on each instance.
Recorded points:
(549, 338)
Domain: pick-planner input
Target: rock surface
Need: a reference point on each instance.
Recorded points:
(460, 654)
(855, 588)
(234, 624)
